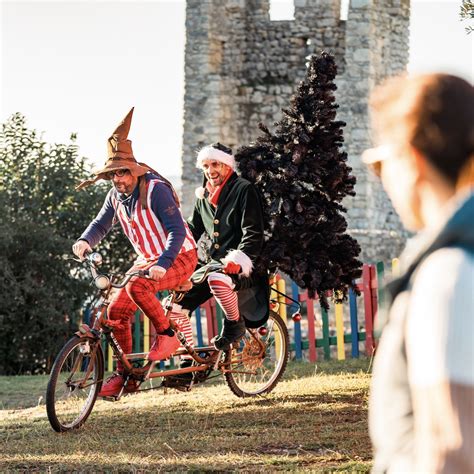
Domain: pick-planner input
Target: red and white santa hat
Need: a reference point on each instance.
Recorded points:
(217, 152)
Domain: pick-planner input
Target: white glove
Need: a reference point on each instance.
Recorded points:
(80, 248)
(156, 272)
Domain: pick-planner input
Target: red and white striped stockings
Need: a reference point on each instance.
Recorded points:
(222, 287)
(181, 318)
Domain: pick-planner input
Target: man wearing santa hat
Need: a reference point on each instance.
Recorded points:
(228, 212)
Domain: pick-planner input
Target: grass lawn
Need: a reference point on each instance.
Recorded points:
(315, 419)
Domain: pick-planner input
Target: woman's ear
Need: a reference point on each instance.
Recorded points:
(427, 176)
(420, 164)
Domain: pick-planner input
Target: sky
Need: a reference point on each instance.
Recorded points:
(79, 66)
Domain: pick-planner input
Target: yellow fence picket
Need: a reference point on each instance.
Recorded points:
(341, 353)
(146, 335)
(395, 267)
(110, 360)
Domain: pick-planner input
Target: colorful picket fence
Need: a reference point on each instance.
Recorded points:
(346, 330)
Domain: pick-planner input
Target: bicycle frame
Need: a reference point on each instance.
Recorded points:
(101, 326)
(252, 366)
(213, 361)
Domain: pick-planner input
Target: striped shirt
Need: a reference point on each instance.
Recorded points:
(158, 233)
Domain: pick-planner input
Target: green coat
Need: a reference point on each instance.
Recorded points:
(235, 224)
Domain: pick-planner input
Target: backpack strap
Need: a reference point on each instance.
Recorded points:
(142, 188)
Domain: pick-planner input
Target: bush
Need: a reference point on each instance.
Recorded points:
(41, 292)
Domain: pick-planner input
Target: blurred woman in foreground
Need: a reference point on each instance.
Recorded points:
(421, 412)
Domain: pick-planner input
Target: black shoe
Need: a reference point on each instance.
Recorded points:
(232, 332)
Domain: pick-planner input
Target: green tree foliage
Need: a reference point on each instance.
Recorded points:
(467, 14)
(41, 291)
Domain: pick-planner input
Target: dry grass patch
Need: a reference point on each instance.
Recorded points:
(313, 420)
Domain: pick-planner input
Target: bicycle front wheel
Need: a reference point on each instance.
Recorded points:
(74, 383)
(256, 363)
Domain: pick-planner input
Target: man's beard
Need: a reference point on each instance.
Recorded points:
(217, 182)
(122, 188)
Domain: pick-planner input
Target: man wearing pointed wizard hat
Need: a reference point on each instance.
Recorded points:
(147, 208)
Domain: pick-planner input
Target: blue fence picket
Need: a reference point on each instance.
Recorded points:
(354, 323)
(197, 315)
(297, 324)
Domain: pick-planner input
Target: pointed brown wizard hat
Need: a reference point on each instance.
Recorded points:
(119, 154)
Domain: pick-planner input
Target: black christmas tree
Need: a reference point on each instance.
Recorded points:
(302, 174)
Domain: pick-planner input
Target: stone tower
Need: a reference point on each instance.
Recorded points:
(241, 69)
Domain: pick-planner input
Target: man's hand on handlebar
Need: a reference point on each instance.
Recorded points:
(156, 272)
(232, 268)
(81, 248)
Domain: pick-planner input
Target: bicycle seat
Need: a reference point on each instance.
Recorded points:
(183, 286)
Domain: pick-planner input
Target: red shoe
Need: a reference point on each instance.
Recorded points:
(163, 347)
(114, 384)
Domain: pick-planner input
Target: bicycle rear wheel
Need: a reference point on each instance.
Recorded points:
(75, 381)
(257, 362)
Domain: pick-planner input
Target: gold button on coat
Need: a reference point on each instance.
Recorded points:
(216, 221)
(216, 246)
(216, 234)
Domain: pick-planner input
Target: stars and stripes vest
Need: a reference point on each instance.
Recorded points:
(145, 231)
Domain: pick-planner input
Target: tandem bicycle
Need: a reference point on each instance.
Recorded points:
(251, 367)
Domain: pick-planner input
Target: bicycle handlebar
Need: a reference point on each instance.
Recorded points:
(218, 267)
(103, 282)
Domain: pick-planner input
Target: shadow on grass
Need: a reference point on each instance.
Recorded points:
(19, 392)
(208, 430)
